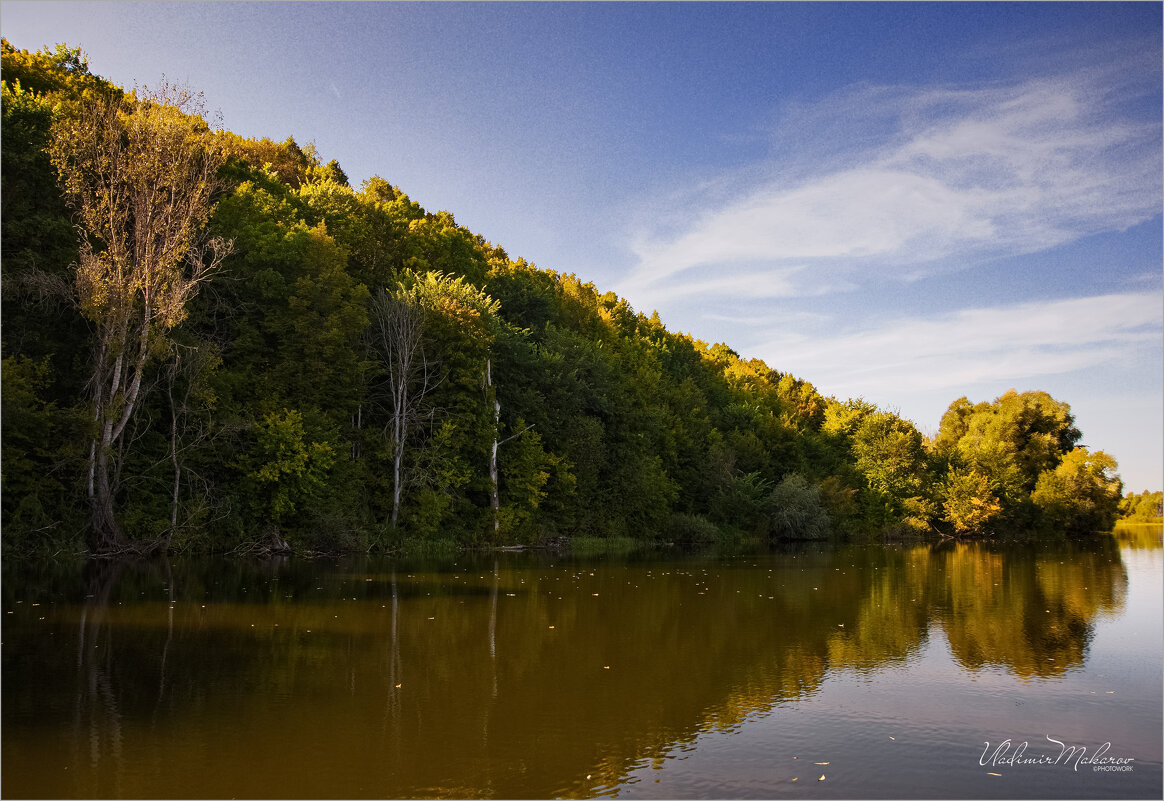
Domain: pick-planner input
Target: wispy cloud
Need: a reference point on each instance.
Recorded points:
(974, 346)
(878, 182)
(771, 284)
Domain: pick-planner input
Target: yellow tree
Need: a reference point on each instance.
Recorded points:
(1082, 493)
(969, 501)
(140, 171)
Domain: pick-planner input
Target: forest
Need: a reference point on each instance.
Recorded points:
(213, 343)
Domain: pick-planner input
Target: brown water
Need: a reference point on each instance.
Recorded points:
(535, 675)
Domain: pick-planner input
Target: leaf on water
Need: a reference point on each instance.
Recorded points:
(821, 779)
(891, 737)
(820, 763)
(993, 774)
(796, 780)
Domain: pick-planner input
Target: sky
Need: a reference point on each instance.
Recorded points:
(907, 203)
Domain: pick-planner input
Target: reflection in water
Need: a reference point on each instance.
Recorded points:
(514, 676)
(1033, 615)
(1141, 536)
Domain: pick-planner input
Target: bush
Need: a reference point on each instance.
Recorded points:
(796, 511)
(690, 528)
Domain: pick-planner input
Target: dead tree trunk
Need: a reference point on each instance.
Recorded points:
(398, 329)
(494, 490)
(494, 473)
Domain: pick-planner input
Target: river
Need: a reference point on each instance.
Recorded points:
(954, 671)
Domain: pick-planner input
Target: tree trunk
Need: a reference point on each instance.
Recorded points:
(400, 432)
(494, 494)
(173, 456)
(398, 325)
(107, 532)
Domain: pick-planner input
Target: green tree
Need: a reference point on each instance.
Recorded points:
(1144, 507)
(285, 471)
(1006, 445)
(1082, 493)
(969, 504)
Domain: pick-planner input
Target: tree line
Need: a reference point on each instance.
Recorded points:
(216, 343)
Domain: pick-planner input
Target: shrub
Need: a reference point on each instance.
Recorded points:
(796, 511)
(690, 528)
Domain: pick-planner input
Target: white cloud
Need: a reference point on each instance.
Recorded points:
(958, 350)
(798, 317)
(759, 285)
(892, 181)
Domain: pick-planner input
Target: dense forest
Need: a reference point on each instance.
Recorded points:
(217, 343)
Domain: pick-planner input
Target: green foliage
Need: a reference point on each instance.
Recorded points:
(61, 70)
(35, 461)
(969, 503)
(608, 427)
(796, 512)
(525, 471)
(1146, 507)
(1082, 493)
(694, 529)
(743, 501)
(1006, 445)
(599, 546)
(285, 472)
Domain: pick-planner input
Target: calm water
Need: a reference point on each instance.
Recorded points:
(536, 675)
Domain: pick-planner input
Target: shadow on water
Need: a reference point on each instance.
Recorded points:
(489, 675)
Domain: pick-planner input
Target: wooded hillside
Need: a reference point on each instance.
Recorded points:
(212, 342)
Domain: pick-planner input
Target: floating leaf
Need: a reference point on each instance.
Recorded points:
(821, 779)
(993, 774)
(820, 763)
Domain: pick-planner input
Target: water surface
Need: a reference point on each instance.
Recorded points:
(515, 675)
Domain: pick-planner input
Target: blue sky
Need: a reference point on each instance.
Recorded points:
(903, 202)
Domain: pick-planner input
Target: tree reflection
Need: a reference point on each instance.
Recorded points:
(515, 676)
(1026, 610)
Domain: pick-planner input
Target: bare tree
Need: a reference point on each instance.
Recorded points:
(398, 319)
(187, 368)
(141, 174)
